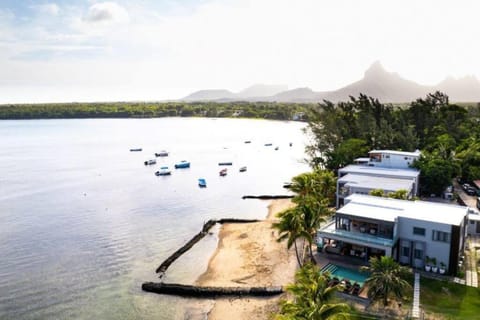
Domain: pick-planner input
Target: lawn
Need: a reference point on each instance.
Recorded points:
(446, 300)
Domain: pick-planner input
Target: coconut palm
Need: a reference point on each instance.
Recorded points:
(289, 227)
(313, 192)
(313, 298)
(386, 279)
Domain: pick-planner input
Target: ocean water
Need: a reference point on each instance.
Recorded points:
(83, 222)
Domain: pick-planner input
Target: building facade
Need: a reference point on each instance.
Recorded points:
(414, 233)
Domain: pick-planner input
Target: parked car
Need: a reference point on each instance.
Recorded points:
(471, 191)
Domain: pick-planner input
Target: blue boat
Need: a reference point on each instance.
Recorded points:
(202, 183)
(182, 164)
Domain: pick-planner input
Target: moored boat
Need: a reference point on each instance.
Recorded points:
(268, 144)
(243, 169)
(225, 163)
(287, 185)
(182, 164)
(223, 172)
(202, 183)
(164, 171)
(135, 149)
(276, 148)
(162, 153)
(150, 162)
(248, 141)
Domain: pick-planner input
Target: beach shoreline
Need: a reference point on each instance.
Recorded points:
(249, 255)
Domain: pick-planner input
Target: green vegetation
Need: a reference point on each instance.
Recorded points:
(447, 300)
(264, 110)
(312, 298)
(401, 194)
(387, 279)
(314, 193)
(447, 134)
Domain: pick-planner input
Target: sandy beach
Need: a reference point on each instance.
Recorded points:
(249, 255)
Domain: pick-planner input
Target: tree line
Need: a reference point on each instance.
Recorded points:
(264, 110)
(447, 134)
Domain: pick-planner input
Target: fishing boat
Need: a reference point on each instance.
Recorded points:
(268, 144)
(243, 169)
(287, 185)
(162, 153)
(225, 163)
(223, 172)
(135, 149)
(164, 171)
(276, 148)
(150, 162)
(202, 183)
(182, 164)
(248, 141)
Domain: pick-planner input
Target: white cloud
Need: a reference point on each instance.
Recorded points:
(106, 12)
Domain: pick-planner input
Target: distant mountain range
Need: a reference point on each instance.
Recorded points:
(377, 83)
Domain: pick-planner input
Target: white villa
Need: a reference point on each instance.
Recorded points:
(408, 231)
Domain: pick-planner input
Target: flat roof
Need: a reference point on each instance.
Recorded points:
(369, 182)
(474, 217)
(400, 153)
(391, 172)
(387, 209)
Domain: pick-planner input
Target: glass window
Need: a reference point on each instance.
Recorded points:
(419, 231)
(440, 236)
(418, 254)
(406, 251)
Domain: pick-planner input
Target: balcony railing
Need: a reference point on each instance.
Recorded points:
(330, 230)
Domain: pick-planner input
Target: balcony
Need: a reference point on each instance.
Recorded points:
(365, 238)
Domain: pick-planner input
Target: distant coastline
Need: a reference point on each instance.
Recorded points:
(251, 110)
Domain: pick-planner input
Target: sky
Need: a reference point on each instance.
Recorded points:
(144, 50)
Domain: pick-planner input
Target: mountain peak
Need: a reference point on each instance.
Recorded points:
(375, 70)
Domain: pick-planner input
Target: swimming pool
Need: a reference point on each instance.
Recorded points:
(345, 273)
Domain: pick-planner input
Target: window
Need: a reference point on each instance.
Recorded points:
(440, 236)
(406, 251)
(419, 231)
(418, 254)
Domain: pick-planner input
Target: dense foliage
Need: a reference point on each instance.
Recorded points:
(447, 134)
(313, 299)
(264, 110)
(314, 194)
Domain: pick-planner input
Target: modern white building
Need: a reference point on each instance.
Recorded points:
(392, 158)
(362, 179)
(408, 231)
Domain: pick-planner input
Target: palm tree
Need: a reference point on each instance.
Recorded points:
(290, 228)
(313, 298)
(312, 217)
(386, 279)
(313, 195)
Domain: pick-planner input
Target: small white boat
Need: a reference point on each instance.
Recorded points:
(162, 153)
(164, 171)
(150, 162)
(243, 169)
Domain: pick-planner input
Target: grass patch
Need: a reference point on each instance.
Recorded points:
(447, 300)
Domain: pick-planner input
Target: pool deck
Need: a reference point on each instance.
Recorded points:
(323, 259)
